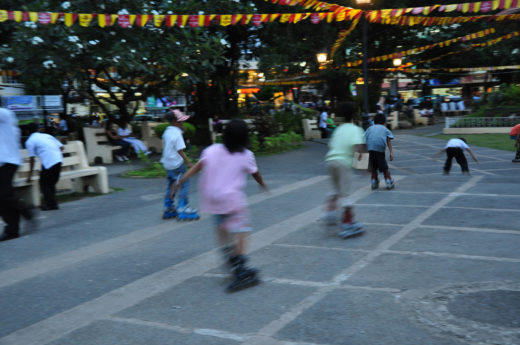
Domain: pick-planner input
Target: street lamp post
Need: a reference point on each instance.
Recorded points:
(366, 115)
(397, 62)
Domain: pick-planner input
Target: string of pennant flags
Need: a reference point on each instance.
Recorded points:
(449, 69)
(341, 37)
(467, 7)
(417, 50)
(202, 20)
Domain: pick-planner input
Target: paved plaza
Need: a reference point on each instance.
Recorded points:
(439, 262)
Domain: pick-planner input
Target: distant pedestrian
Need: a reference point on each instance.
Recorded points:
(174, 160)
(322, 124)
(515, 135)
(224, 176)
(346, 140)
(48, 149)
(455, 149)
(10, 159)
(378, 137)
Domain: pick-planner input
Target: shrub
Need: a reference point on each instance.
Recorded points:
(289, 121)
(189, 130)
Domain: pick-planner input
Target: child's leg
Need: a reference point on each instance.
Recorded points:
(449, 157)
(461, 159)
(168, 196)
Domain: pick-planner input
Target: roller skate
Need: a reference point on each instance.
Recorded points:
(170, 213)
(169, 209)
(351, 229)
(186, 212)
(243, 276)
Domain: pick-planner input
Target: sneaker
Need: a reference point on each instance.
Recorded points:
(375, 184)
(389, 183)
(351, 229)
(125, 158)
(120, 158)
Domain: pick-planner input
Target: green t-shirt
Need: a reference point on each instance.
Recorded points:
(341, 145)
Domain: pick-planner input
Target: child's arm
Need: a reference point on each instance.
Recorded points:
(185, 158)
(472, 155)
(192, 171)
(258, 178)
(438, 154)
(389, 143)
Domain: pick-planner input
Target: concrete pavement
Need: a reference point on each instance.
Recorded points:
(439, 263)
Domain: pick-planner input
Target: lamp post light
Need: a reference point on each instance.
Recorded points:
(397, 62)
(366, 115)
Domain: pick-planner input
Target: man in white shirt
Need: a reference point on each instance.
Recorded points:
(48, 149)
(10, 159)
(322, 125)
(175, 161)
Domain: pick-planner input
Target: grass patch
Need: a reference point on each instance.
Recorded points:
(494, 141)
(66, 197)
(153, 170)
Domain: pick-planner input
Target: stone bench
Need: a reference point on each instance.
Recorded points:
(99, 149)
(310, 129)
(74, 169)
(150, 138)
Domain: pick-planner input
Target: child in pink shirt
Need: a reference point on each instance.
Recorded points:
(221, 188)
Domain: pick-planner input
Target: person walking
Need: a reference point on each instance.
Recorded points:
(49, 151)
(224, 171)
(455, 149)
(346, 139)
(378, 137)
(174, 160)
(10, 159)
(322, 124)
(515, 135)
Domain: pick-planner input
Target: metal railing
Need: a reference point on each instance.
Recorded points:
(476, 122)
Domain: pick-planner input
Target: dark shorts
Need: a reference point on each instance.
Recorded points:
(377, 161)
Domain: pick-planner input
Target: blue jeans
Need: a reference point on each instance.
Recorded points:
(171, 177)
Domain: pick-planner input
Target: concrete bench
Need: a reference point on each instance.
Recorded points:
(74, 169)
(310, 129)
(99, 149)
(214, 134)
(393, 120)
(419, 119)
(150, 138)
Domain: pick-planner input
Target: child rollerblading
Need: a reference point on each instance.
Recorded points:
(175, 161)
(377, 138)
(455, 149)
(346, 139)
(224, 170)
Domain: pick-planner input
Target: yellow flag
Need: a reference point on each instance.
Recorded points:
(33, 16)
(54, 17)
(285, 17)
(84, 19)
(3, 16)
(131, 18)
(496, 3)
(69, 19)
(465, 7)
(18, 16)
(225, 19)
(451, 8)
(158, 19)
(508, 4)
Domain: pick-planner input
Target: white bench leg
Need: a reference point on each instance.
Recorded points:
(98, 182)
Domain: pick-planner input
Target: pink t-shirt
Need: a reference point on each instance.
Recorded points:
(223, 179)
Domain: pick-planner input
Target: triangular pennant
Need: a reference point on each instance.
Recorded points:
(158, 19)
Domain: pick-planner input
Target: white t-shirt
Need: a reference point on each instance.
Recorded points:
(9, 138)
(457, 143)
(46, 147)
(172, 143)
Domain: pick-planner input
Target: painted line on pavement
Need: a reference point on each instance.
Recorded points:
(42, 266)
(59, 325)
(273, 327)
